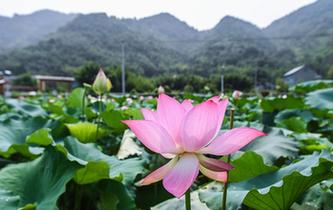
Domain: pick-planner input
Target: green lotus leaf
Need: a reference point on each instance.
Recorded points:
(320, 99)
(38, 183)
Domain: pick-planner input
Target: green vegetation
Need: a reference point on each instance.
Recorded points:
(25, 79)
(163, 45)
(54, 157)
(175, 82)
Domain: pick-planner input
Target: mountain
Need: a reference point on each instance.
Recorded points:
(308, 32)
(167, 26)
(313, 19)
(94, 37)
(164, 44)
(22, 30)
(171, 30)
(232, 42)
(153, 45)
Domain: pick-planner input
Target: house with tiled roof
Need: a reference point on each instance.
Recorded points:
(300, 74)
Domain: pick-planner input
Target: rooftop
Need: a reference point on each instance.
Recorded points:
(294, 70)
(55, 78)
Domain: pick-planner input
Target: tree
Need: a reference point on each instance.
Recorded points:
(86, 73)
(25, 80)
(330, 72)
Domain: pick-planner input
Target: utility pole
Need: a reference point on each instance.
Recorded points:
(255, 79)
(123, 85)
(222, 79)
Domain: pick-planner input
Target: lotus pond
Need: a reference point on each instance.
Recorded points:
(75, 152)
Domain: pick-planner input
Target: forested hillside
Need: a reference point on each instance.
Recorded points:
(308, 32)
(162, 44)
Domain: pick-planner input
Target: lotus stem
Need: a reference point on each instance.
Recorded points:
(99, 114)
(188, 200)
(225, 188)
(83, 103)
(78, 197)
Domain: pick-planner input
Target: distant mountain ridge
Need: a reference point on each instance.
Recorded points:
(308, 32)
(23, 30)
(163, 43)
(168, 26)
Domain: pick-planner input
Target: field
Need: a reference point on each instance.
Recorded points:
(73, 152)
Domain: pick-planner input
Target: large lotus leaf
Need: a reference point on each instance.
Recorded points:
(128, 168)
(247, 166)
(97, 165)
(37, 184)
(312, 141)
(76, 99)
(13, 134)
(115, 196)
(320, 99)
(275, 190)
(41, 137)
(101, 166)
(289, 113)
(11, 141)
(271, 104)
(8, 116)
(113, 120)
(3, 106)
(296, 124)
(26, 108)
(309, 86)
(237, 123)
(273, 146)
(134, 114)
(85, 131)
(54, 107)
(317, 197)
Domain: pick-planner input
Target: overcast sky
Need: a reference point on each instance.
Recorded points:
(201, 14)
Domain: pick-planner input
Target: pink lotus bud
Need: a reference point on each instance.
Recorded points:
(236, 94)
(124, 107)
(129, 101)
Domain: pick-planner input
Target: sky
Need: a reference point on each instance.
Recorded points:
(201, 14)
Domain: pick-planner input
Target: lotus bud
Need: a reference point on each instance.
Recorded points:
(101, 84)
(160, 90)
(236, 94)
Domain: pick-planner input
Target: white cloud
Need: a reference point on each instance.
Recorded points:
(202, 14)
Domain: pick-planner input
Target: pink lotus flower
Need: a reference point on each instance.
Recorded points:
(185, 133)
